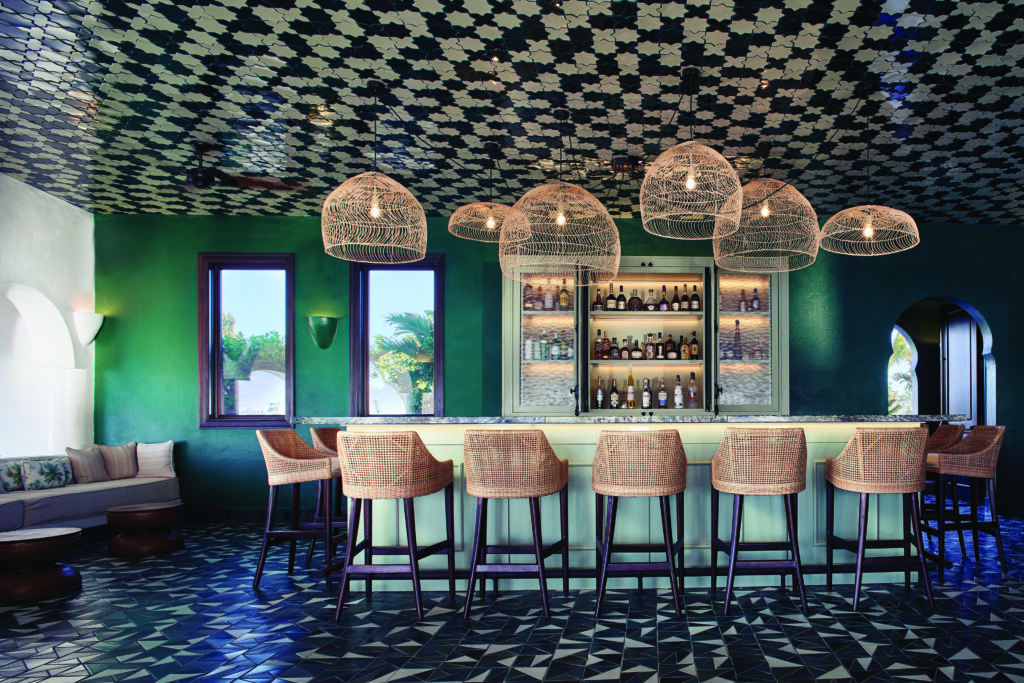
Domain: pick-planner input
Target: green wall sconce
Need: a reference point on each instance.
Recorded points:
(323, 328)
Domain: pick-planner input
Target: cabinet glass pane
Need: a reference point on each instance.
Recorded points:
(547, 342)
(745, 339)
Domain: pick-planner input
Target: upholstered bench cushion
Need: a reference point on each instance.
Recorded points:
(86, 504)
(11, 513)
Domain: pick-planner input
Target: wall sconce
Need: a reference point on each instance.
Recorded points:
(323, 328)
(87, 325)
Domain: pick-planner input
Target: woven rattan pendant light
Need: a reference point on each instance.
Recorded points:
(778, 231)
(690, 191)
(373, 219)
(480, 221)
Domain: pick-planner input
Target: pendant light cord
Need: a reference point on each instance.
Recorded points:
(375, 117)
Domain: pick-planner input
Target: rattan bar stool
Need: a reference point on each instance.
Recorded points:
(325, 441)
(975, 458)
(515, 464)
(392, 466)
(758, 462)
(639, 464)
(879, 461)
(290, 460)
(944, 436)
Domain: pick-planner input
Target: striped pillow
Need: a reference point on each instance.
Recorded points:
(120, 460)
(87, 464)
(155, 459)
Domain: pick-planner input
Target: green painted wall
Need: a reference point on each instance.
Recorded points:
(841, 312)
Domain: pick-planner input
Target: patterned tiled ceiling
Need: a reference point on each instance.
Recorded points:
(101, 100)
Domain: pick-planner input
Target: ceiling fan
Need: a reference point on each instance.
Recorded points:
(202, 177)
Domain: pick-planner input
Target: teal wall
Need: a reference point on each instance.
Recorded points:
(841, 313)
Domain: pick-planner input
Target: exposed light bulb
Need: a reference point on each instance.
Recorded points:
(374, 211)
(560, 218)
(691, 182)
(869, 231)
(490, 223)
(764, 211)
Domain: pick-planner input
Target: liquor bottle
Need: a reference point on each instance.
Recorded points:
(677, 394)
(598, 304)
(613, 395)
(663, 304)
(649, 349)
(613, 350)
(675, 299)
(606, 347)
(630, 390)
(694, 346)
(684, 302)
(684, 348)
(599, 394)
(549, 297)
(659, 348)
(650, 304)
(624, 353)
(542, 346)
(528, 348)
(637, 353)
(568, 350)
(555, 347)
(691, 391)
(737, 349)
(694, 300)
(598, 345)
(671, 352)
(634, 303)
(563, 297)
(755, 301)
(527, 297)
(662, 395)
(645, 395)
(620, 302)
(742, 305)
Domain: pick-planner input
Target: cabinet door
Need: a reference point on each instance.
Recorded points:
(539, 347)
(753, 348)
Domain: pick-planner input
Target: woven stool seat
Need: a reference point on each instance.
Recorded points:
(639, 464)
(389, 466)
(515, 464)
(877, 461)
(290, 460)
(943, 437)
(975, 457)
(758, 462)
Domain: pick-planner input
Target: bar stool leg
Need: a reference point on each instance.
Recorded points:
(714, 537)
(328, 530)
(609, 537)
(355, 505)
(449, 528)
(941, 496)
(563, 503)
(925, 579)
(414, 559)
(862, 532)
(995, 521)
(737, 511)
(293, 523)
(955, 496)
(791, 526)
(830, 529)
(368, 535)
(537, 546)
(666, 526)
(317, 516)
(679, 525)
(483, 552)
(907, 533)
(972, 485)
(598, 538)
(475, 559)
(271, 511)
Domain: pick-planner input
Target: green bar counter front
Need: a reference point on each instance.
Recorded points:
(638, 519)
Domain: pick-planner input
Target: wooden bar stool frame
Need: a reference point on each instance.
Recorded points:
(758, 462)
(392, 465)
(639, 464)
(509, 464)
(324, 440)
(879, 461)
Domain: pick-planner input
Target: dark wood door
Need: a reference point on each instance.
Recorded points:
(961, 385)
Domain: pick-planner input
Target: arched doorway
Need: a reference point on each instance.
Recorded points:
(956, 372)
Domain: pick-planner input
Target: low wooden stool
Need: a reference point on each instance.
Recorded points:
(146, 529)
(29, 563)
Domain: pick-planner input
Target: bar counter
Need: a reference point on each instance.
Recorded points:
(575, 438)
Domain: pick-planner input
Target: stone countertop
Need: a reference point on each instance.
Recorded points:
(623, 419)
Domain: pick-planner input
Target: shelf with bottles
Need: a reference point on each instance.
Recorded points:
(650, 293)
(744, 293)
(667, 343)
(670, 389)
(647, 363)
(544, 295)
(646, 315)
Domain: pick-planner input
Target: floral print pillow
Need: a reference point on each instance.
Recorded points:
(10, 475)
(46, 474)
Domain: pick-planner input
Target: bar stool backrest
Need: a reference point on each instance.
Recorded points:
(289, 459)
(325, 439)
(889, 460)
(511, 464)
(943, 437)
(976, 455)
(639, 463)
(379, 465)
(768, 462)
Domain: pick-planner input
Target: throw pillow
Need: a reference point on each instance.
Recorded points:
(120, 460)
(87, 465)
(10, 475)
(155, 459)
(44, 474)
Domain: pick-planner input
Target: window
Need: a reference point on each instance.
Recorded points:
(902, 378)
(397, 338)
(246, 331)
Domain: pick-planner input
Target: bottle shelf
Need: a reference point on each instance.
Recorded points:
(750, 361)
(569, 312)
(643, 362)
(729, 314)
(548, 362)
(645, 315)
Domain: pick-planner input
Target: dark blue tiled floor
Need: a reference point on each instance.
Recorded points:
(193, 615)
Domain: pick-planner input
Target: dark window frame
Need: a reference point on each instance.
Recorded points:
(359, 346)
(210, 267)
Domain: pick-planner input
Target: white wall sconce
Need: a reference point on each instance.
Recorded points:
(87, 325)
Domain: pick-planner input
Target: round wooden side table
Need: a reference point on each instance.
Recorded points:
(146, 529)
(30, 566)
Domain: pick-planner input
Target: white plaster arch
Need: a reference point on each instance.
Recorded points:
(51, 339)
